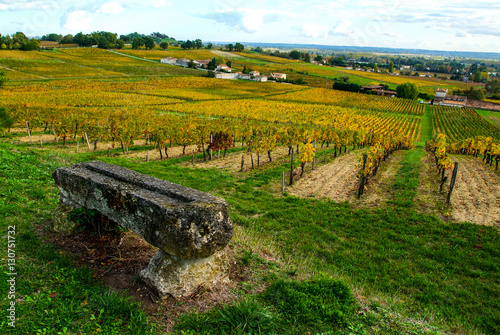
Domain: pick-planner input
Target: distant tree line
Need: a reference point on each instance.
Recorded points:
(18, 41)
(107, 40)
(237, 47)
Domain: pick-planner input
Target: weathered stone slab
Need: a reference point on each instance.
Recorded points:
(191, 228)
(182, 222)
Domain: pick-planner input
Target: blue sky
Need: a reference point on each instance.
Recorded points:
(443, 25)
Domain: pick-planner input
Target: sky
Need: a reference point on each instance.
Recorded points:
(424, 24)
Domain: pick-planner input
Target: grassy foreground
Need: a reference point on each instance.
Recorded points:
(349, 270)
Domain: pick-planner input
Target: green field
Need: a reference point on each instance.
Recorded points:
(299, 264)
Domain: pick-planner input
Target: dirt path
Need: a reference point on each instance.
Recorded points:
(378, 190)
(226, 54)
(232, 162)
(476, 197)
(336, 181)
(428, 199)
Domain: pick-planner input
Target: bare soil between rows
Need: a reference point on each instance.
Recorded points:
(475, 198)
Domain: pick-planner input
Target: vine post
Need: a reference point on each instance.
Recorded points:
(291, 168)
(362, 180)
(314, 157)
(283, 182)
(452, 184)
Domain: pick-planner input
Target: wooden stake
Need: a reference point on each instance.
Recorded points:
(314, 157)
(242, 162)
(291, 169)
(363, 179)
(147, 156)
(452, 185)
(29, 132)
(77, 145)
(41, 142)
(283, 182)
(87, 139)
(55, 135)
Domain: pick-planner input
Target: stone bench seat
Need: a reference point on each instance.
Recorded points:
(191, 228)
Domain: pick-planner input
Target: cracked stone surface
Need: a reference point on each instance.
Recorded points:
(181, 221)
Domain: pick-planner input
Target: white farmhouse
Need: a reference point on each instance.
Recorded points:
(226, 75)
(169, 60)
(224, 68)
(183, 62)
(260, 78)
(278, 75)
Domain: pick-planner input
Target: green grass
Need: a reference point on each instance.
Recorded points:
(439, 271)
(52, 295)
(489, 116)
(414, 271)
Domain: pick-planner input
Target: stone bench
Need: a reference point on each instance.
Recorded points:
(191, 228)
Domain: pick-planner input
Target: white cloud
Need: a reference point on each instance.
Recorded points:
(248, 20)
(160, 3)
(111, 8)
(77, 20)
(343, 28)
(314, 30)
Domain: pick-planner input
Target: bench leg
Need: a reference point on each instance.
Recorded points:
(171, 275)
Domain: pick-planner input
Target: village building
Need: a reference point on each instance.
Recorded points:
(169, 60)
(260, 78)
(203, 63)
(254, 73)
(277, 75)
(226, 75)
(224, 68)
(244, 76)
(379, 90)
(183, 62)
(445, 99)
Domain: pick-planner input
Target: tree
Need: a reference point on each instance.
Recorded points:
(5, 120)
(120, 44)
(52, 37)
(137, 43)
(342, 85)
(2, 78)
(318, 58)
(192, 64)
(68, 39)
(187, 45)
(229, 63)
(485, 77)
(210, 46)
(103, 43)
(230, 47)
(476, 95)
(407, 91)
(476, 77)
(295, 54)
(164, 45)
(198, 44)
(239, 47)
(493, 86)
(375, 68)
(391, 66)
(125, 38)
(307, 58)
(149, 42)
(338, 61)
